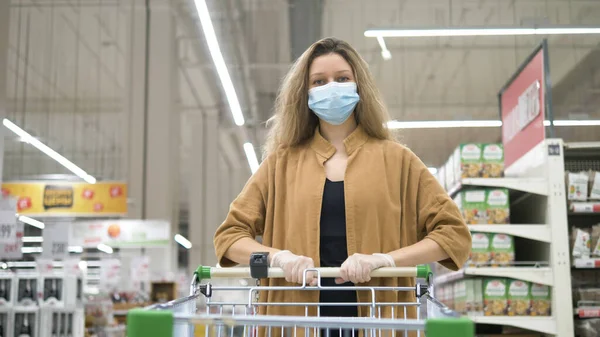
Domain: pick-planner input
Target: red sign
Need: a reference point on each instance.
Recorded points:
(522, 108)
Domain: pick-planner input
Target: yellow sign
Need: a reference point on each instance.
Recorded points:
(68, 199)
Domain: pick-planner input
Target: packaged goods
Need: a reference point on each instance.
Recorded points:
(493, 161)
(498, 206)
(541, 300)
(519, 298)
(495, 297)
(594, 185)
(581, 242)
(449, 294)
(460, 296)
(473, 206)
(477, 308)
(471, 163)
(577, 186)
(595, 240)
(480, 249)
(502, 249)
(450, 174)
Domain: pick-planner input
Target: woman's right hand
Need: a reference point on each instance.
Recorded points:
(294, 266)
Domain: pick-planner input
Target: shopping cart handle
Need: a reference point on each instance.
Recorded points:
(207, 273)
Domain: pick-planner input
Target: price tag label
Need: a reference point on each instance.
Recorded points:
(12, 250)
(8, 220)
(56, 241)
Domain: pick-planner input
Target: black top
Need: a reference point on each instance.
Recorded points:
(334, 249)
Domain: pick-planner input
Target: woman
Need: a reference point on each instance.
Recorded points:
(336, 189)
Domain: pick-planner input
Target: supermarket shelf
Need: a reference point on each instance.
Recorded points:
(534, 232)
(529, 185)
(546, 325)
(541, 275)
(582, 207)
(586, 263)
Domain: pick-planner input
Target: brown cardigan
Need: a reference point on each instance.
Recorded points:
(392, 201)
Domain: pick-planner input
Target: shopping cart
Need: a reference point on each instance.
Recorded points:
(233, 318)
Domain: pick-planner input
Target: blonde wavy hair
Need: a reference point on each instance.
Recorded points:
(293, 123)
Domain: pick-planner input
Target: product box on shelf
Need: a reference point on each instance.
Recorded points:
(477, 307)
(62, 322)
(480, 249)
(497, 206)
(493, 160)
(577, 186)
(460, 296)
(25, 321)
(519, 298)
(449, 295)
(470, 161)
(27, 288)
(541, 300)
(594, 185)
(495, 297)
(472, 204)
(7, 289)
(502, 248)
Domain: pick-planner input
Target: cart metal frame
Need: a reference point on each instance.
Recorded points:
(177, 318)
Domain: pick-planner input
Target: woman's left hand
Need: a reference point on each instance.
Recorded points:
(358, 267)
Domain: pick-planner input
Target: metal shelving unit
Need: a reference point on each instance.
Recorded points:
(584, 157)
(538, 193)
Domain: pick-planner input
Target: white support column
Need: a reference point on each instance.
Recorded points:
(153, 127)
(212, 216)
(4, 30)
(196, 232)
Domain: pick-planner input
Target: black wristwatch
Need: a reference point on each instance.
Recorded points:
(259, 265)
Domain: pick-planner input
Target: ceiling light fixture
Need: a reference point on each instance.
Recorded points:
(26, 137)
(217, 56)
(185, 243)
(105, 248)
(251, 155)
(31, 221)
(479, 31)
(385, 53)
(479, 124)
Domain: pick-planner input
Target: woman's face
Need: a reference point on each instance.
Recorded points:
(329, 68)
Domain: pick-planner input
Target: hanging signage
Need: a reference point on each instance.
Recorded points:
(55, 244)
(121, 233)
(13, 250)
(8, 220)
(68, 198)
(523, 107)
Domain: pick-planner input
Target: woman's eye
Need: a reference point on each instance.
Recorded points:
(343, 79)
(318, 82)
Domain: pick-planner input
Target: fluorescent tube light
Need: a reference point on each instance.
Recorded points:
(484, 31)
(31, 221)
(479, 124)
(385, 53)
(180, 239)
(251, 156)
(217, 56)
(25, 136)
(33, 239)
(105, 248)
(568, 122)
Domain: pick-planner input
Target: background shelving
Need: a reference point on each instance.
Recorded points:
(538, 217)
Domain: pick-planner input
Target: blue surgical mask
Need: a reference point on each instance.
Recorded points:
(333, 102)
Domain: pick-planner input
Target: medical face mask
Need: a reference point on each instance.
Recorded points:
(333, 102)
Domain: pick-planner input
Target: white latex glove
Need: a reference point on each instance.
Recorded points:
(294, 266)
(358, 267)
